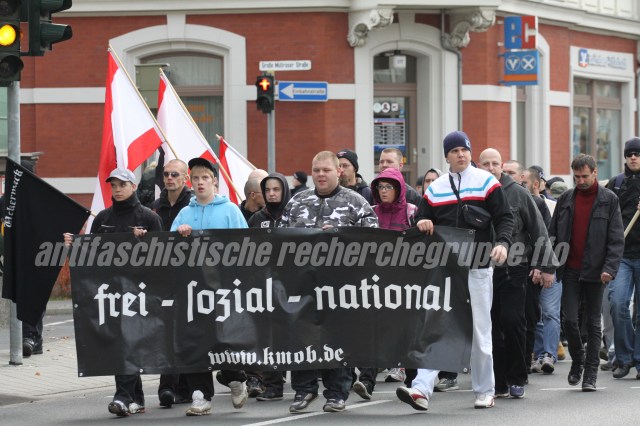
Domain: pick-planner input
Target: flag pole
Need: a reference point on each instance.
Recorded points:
(115, 55)
(220, 166)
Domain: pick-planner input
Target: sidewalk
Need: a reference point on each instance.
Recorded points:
(55, 372)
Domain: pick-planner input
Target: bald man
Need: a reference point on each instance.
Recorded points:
(511, 362)
(254, 200)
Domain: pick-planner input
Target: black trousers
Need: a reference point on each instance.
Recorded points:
(176, 383)
(337, 382)
(33, 332)
(129, 389)
(274, 381)
(367, 375)
(509, 326)
(532, 314)
(573, 291)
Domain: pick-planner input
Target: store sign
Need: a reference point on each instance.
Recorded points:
(601, 61)
(520, 32)
(521, 59)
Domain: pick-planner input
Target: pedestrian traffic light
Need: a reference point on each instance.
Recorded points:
(265, 100)
(10, 62)
(42, 32)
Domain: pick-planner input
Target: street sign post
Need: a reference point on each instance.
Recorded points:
(303, 91)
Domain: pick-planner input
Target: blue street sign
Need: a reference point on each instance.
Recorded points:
(521, 68)
(303, 91)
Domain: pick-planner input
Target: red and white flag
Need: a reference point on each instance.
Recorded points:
(187, 142)
(236, 165)
(130, 133)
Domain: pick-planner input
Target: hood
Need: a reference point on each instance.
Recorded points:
(218, 199)
(390, 174)
(506, 181)
(437, 171)
(276, 209)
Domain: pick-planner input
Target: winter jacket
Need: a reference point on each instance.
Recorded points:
(528, 226)
(605, 237)
(628, 197)
(393, 215)
(166, 211)
(218, 214)
(269, 216)
(122, 216)
(476, 187)
(362, 188)
(342, 207)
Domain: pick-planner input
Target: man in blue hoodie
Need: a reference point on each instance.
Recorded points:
(208, 210)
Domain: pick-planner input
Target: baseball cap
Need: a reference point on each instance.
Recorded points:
(203, 162)
(124, 175)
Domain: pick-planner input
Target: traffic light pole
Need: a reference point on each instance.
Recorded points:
(13, 132)
(271, 141)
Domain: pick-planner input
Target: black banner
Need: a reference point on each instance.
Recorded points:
(261, 299)
(35, 217)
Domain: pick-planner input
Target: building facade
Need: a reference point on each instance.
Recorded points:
(399, 73)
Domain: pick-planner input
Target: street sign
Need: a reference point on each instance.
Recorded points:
(303, 91)
(521, 68)
(298, 65)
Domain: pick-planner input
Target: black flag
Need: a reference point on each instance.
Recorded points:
(36, 214)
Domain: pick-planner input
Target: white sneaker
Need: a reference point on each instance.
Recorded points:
(536, 366)
(396, 375)
(135, 408)
(199, 405)
(238, 394)
(484, 400)
(413, 397)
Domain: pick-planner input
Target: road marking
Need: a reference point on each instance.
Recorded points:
(57, 323)
(295, 417)
(561, 389)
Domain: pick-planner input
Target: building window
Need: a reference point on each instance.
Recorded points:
(597, 109)
(198, 80)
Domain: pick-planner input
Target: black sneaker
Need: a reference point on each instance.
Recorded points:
(334, 405)
(589, 383)
(254, 386)
(269, 395)
(364, 390)
(167, 398)
(575, 374)
(621, 371)
(118, 408)
(301, 401)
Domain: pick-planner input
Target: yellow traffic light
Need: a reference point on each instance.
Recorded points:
(8, 35)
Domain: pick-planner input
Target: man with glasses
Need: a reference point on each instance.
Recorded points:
(254, 200)
(621, 289)
(172, 388)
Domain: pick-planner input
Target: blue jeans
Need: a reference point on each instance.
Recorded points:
(626, 340)
(548, 328)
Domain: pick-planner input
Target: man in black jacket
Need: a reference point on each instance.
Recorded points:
(349, 177)
(626, 339)
(510, 281)
(588, 223)
(125, 214)
(176, 194)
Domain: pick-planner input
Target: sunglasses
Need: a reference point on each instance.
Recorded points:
(172, 174)
(632, 154)
(385, 187)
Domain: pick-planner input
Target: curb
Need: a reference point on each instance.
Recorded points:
(59, 307)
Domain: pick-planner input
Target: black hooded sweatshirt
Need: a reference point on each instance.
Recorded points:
(269, 216)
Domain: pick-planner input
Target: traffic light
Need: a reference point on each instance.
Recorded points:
(10, 62)
(42, 32)
(266, 90)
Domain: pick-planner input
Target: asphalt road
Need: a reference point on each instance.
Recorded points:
(549, 400)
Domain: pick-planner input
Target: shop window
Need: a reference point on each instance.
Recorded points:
(597, 123)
